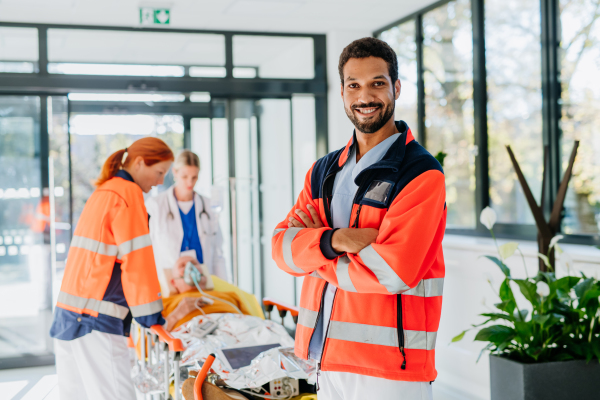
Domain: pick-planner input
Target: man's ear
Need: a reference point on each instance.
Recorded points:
(397, 88)
(342, 90)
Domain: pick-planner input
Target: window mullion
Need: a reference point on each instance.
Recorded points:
(482, 198)
(551, 89)
(420, 83)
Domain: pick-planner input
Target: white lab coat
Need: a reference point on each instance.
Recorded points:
(166, 232)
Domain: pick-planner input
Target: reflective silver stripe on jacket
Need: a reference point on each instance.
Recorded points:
(307, 317)
(94, 245)
(427, 288)
(343, 275)
(134, 244)
(315, 274)
(380, 335)
(100, 306)
(288, 237)
(147, 309)
(384, 273)
(276, 231)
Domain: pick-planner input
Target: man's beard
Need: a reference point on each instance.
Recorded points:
(375, 123)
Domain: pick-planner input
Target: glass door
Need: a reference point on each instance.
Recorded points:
(25, 275)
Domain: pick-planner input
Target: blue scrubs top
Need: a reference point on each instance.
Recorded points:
(191, 240)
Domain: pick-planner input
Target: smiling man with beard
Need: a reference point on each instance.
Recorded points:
(366, 233)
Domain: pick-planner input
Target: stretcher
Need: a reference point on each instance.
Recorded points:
(159, 361)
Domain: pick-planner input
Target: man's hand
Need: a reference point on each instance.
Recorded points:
(314, 221)
(352, 240)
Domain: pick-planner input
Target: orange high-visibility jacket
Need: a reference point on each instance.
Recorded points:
(386, 311)
(110, 275)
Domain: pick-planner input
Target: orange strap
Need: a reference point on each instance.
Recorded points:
(202, 376)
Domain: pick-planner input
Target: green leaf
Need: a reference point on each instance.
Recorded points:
(524, 330)
(534, 352)
(459, 337)
(528, 289)
(540, 319)
(499, 263)
(567, 283)
(521, 315)
(583, 286)
(489, 346)
(497, 316)
(507, 297)
(495, 334)
(589, 295)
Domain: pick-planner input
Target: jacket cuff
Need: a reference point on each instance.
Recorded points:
(148, 320)
(326, 247)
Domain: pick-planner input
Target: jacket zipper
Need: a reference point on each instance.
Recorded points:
(325, 337)
(400, 329)
(314, 330)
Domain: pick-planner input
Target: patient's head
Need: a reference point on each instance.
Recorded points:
(178, 271)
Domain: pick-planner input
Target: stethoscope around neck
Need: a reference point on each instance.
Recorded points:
(203, 212)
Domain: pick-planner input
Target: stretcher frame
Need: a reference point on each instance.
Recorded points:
(159, 341)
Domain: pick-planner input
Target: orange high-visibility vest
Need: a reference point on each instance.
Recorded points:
(387, 308)
(110, 275)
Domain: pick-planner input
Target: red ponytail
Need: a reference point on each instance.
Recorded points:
(151, 149)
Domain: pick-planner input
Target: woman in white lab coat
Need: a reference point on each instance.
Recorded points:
(182, 222)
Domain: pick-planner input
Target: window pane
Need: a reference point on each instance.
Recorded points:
(402, 39)
(580, 61)
(18, 50)
(513, 54)
(125, 47)
(275, 57)
(448, 78)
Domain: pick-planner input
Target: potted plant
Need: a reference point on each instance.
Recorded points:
(551, 348)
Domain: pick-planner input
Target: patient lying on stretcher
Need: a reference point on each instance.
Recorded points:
(185, 302)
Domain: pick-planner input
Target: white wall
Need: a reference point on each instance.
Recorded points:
(468, 293)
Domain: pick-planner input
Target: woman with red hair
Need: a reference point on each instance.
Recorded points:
(110, 277)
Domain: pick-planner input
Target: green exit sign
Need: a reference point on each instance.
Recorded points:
(155, 16)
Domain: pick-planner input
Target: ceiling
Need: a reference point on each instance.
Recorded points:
(302, 16)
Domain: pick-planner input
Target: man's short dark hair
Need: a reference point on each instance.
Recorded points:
(370, 47)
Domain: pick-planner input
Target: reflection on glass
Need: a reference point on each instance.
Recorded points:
(115, 69)
(95, 137)
(58, 136)
(208, 72)
(25, 299)
(17, 67)
(137, 97)
(513, 54)
(402, 39)
(580, 60)
(448, 78)
(275, 57)
(220, 167)
(244, 72)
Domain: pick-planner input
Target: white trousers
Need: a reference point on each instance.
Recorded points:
(94, 367)
(347, 386)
